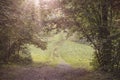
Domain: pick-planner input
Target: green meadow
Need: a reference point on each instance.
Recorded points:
(59, 50)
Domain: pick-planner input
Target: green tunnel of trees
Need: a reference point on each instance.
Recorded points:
(96, 20)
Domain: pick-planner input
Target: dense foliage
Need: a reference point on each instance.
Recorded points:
(98, 21)
(17, 28)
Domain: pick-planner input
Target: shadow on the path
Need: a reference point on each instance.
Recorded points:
(60, 72)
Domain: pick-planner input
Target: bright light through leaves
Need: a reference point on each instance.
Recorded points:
(38, 9)
(47, 0)
(37, 2)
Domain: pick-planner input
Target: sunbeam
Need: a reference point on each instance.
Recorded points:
(46, 0)
(37, 2)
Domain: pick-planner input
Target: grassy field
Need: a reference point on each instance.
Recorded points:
(75, 54)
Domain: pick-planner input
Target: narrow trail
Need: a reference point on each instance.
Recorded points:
(61, 72)
(63, 64)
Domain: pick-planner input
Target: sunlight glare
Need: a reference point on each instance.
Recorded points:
(37, 2)
(46, 0)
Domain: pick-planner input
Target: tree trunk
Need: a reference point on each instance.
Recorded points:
(104, 43)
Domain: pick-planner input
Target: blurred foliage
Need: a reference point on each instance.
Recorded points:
(94, 21)
(98, 22)
(17, 28)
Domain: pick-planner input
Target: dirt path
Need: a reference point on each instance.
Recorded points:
(60, 72)
(63, 71)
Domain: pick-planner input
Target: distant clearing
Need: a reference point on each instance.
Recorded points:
(60, 49)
